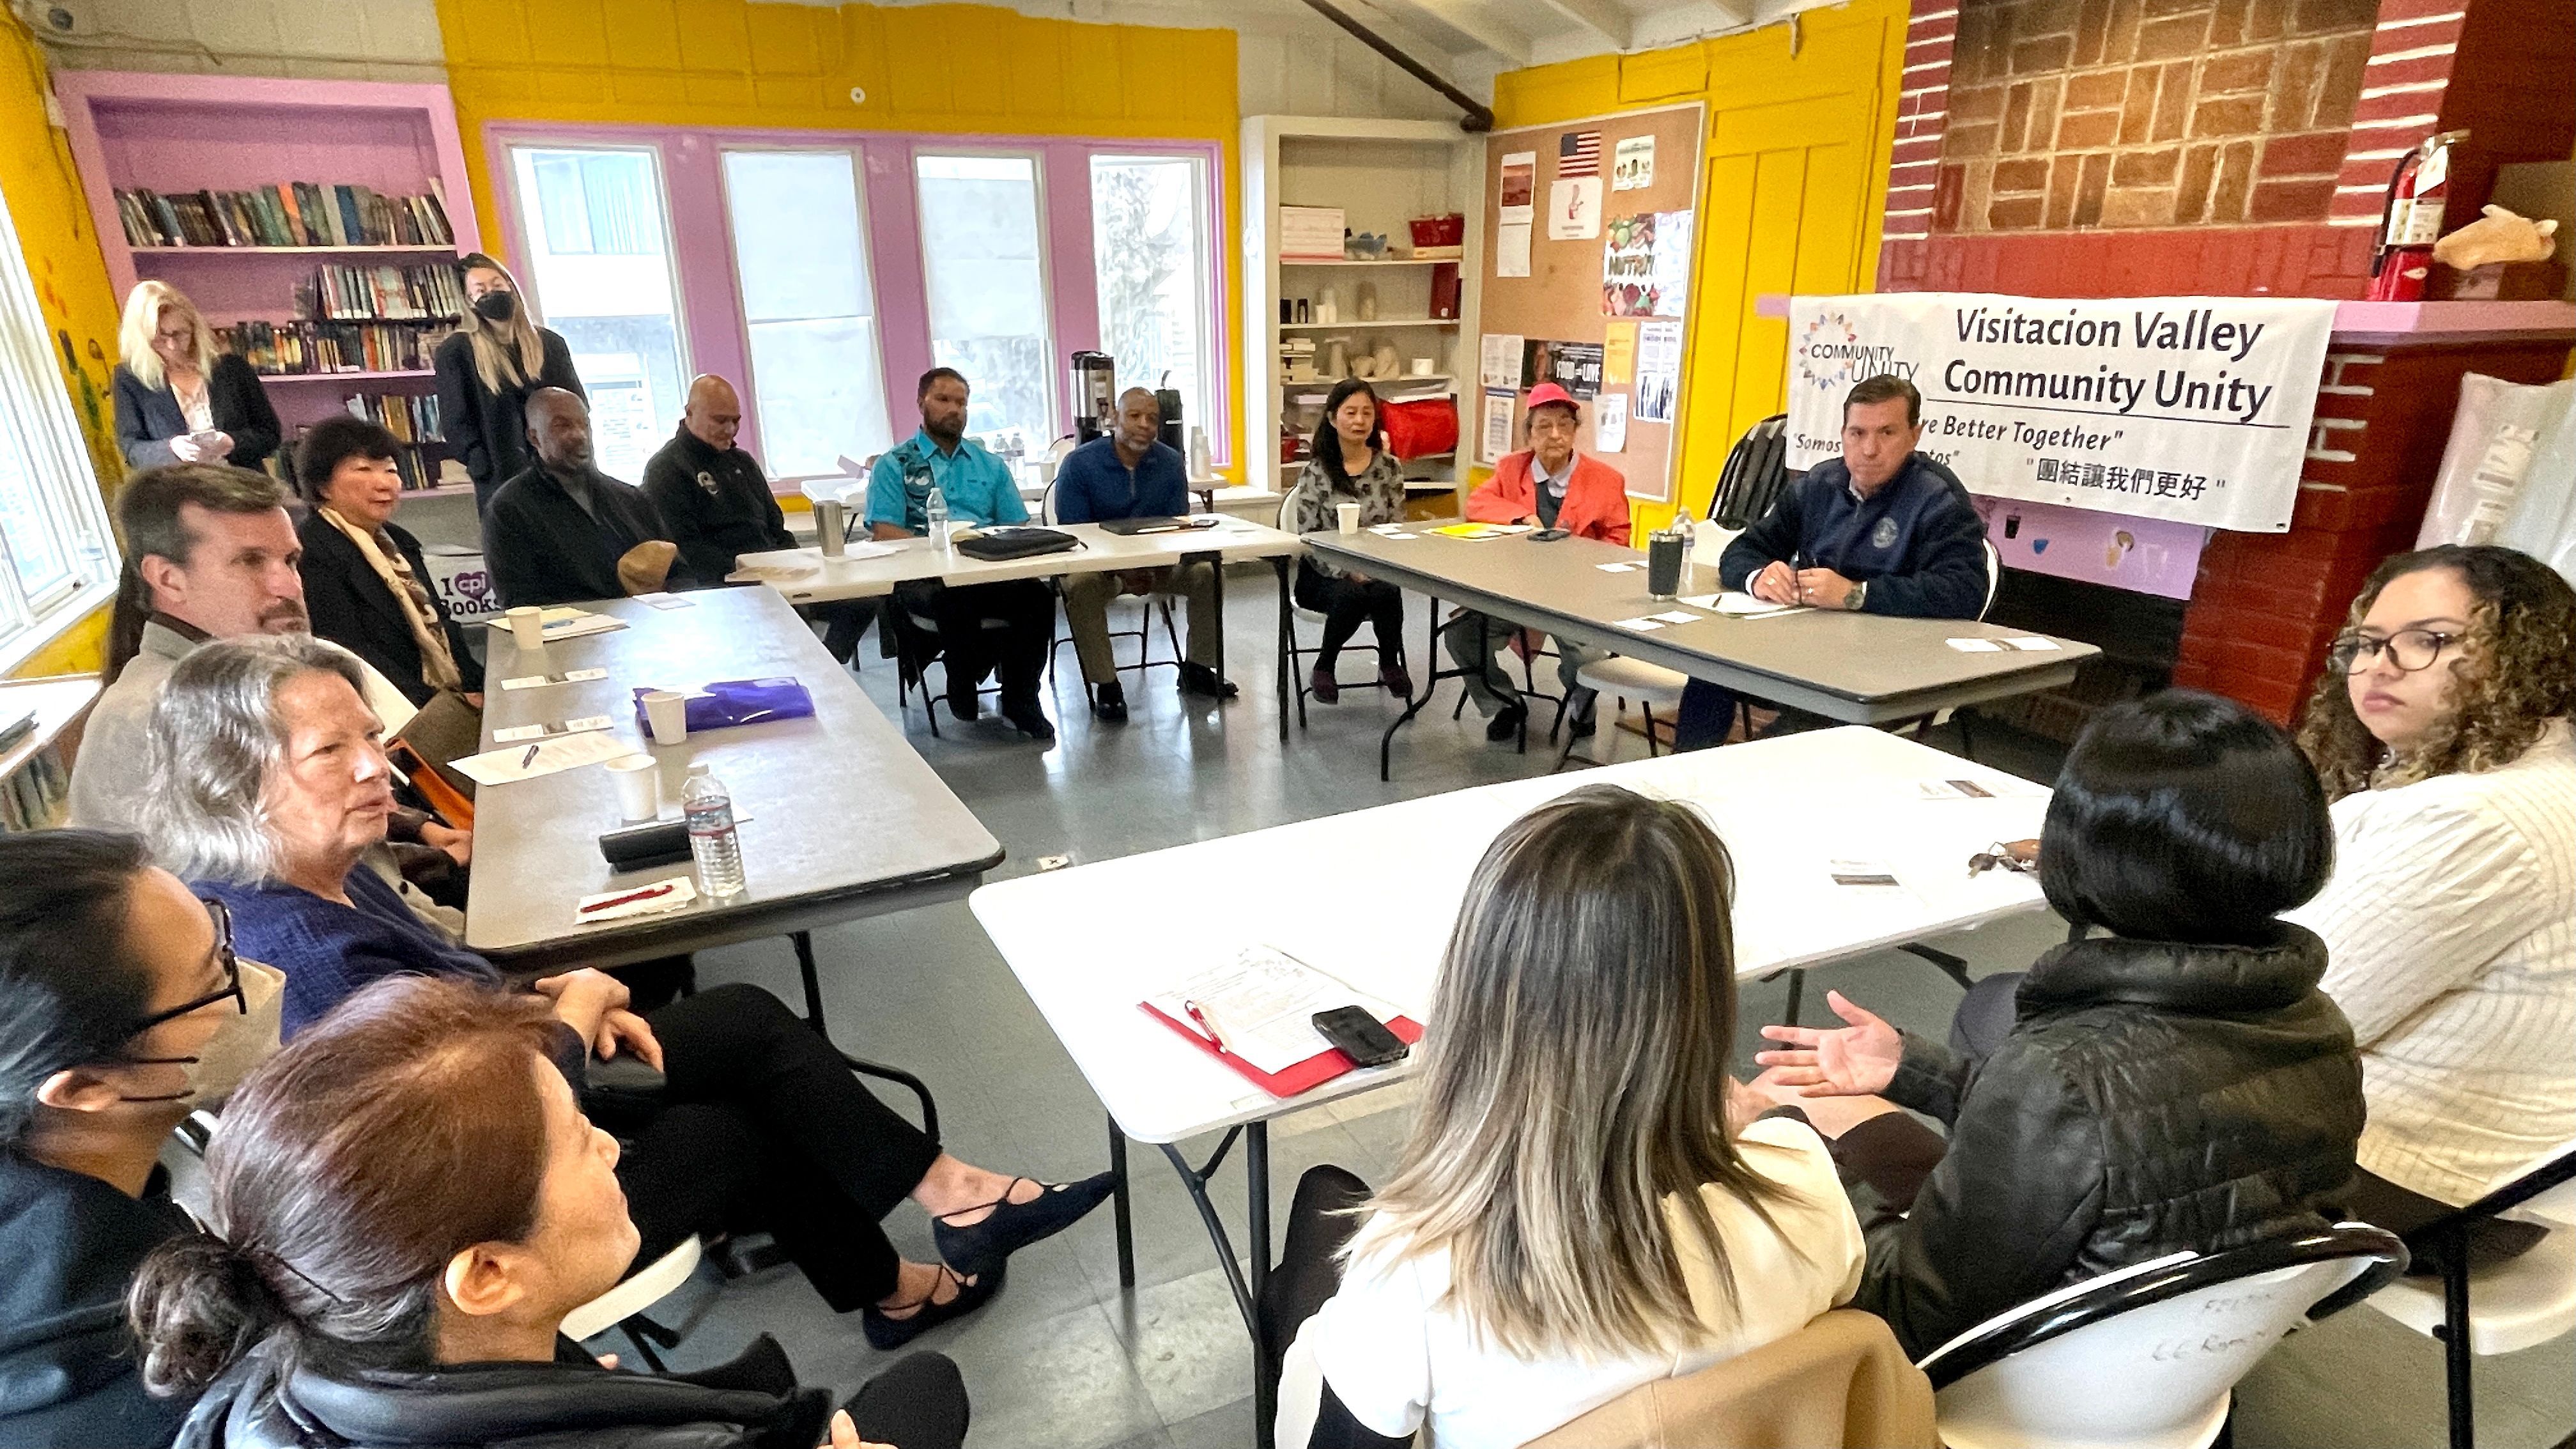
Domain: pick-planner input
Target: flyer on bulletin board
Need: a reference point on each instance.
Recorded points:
(1574, 209)
(1512, 249)
(1514, 200)
(1618, 353)
(1610, 423)
(1498, 361)
(1495, 439)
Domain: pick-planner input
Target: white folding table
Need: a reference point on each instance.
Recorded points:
(1369, 897)
(871, 570)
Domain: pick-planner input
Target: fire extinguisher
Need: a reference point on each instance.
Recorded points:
(2417, 192)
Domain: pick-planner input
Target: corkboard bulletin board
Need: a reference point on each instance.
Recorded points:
(1563, 297)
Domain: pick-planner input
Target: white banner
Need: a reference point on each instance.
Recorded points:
(2189, 408)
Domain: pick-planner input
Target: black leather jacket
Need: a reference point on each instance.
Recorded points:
(750, 1403)
(2152, 1097)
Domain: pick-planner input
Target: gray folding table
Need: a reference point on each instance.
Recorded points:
(841, 817)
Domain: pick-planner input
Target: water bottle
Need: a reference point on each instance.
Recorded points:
(1690, 545)
(713, 841)
(934, 514)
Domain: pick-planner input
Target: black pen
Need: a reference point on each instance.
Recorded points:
(527, 758)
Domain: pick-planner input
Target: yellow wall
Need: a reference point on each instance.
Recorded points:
(1794, 181)
(940, 68)
(52, 218)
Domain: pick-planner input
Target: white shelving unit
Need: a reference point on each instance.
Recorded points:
(1381, 174)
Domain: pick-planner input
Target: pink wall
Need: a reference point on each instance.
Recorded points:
(712, 328)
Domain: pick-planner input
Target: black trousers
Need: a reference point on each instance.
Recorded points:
(1320, 1223)
(1023, 608)
(1707, 713)
(920, 1403)
(760, 1124)
(844, 621)
(1345, 602)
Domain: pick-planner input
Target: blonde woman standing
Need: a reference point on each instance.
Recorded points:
(179, 397)
(487, 367)
(1584, 1205)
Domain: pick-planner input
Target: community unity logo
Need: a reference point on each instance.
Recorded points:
(1830, 357)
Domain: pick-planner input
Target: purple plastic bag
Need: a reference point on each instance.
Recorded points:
(738, 702)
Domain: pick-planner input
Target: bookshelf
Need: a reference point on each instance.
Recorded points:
(1381, 174)
(178, 135)
(35, 771)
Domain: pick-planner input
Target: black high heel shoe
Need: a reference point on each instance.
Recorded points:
(1014, 1225)
(887, 1334)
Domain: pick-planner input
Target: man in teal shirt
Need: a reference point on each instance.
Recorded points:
(981, 627)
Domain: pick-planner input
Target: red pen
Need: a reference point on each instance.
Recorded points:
(646, 894)
(1207, 1022)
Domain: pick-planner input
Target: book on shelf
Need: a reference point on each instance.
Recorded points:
(283, 214)
(410, 417)
(342, 293)
(37, 795)
(288, 349)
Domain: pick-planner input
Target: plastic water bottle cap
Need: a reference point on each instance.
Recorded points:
(697, 770)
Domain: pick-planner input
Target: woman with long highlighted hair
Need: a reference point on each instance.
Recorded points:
(487, 367)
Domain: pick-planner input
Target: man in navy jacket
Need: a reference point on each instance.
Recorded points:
(1131, 473)
(1881, 530)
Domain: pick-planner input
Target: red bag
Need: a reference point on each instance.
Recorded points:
(1419, 429)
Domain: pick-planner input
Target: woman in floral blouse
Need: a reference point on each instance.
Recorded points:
(1351, 465)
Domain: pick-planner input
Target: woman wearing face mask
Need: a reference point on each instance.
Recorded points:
(2441, 731)
(487, 367)
(180, 398)
(404, 1204)
(122, 1008)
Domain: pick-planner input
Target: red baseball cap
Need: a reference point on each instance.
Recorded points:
(1548, 392)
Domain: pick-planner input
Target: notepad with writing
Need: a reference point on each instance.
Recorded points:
(1255, 1010)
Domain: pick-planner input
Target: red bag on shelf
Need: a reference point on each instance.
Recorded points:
(1419, 429)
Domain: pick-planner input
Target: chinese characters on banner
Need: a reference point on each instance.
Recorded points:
(2194, 409)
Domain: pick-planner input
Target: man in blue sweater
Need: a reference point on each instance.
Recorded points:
(1881, 530)
(1132, 473)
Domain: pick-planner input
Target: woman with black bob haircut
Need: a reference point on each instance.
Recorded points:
(404, 1204)
(1350, 464)
(2169, 1079)
(366, 583)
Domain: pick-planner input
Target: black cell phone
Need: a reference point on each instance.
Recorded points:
(1361, 1036)
(1547, 535)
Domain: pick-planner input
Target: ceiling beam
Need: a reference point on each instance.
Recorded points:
(1605, 18)
(1458, 18)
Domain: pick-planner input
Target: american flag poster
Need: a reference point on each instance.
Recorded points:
(1578, 153)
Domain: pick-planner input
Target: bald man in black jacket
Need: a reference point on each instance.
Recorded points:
(557, 530)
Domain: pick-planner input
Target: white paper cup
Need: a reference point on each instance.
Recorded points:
(528, 627)
(1348, 515)
(639, 787)
(1422, 367)
(667, 711)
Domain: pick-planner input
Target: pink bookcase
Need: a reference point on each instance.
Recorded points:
(185, 133)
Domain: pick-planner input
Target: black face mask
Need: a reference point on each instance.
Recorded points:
(496, 306)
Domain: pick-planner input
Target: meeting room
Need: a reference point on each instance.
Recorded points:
(1287, 724)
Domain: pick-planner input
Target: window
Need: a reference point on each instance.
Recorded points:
(801, 259)
(1149, 246)
(56, 560)
(598, 203)
(982, 254)
(600, 270)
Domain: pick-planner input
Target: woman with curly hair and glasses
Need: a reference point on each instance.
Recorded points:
(2441, 731)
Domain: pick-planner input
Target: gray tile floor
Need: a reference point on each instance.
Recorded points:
(1062, 1358)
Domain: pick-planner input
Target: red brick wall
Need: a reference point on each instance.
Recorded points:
(2141, 113)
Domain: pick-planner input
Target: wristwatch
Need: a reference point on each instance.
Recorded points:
(1852, 600)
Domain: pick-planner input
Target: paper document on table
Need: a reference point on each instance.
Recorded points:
(1262, 1004)
(521, 734)
(771, 573)
(666, 601)
(1736, 605)
(565, 622)
(568, 676)
(1975, 646)
(526, 762)
(1481, 530)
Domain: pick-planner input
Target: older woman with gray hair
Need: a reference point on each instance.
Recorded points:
(269, 782)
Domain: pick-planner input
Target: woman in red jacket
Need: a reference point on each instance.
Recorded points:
(1548, 485)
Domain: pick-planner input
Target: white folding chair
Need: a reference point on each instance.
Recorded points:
(2505, 1307)
(1298, 653)
(2147, 1357)
(624, 1306)
(1625, 679)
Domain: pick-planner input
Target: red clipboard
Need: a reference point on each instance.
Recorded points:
(1305, 1076)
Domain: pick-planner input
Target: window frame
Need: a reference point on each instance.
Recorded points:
(517, 222)
(1210, 279)
(61, 469)
(855, 153)
(1059, 408)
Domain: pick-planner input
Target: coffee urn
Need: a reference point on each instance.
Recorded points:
(1094, 393)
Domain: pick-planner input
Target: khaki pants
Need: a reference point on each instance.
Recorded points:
(1086, 612)
(1481, 643)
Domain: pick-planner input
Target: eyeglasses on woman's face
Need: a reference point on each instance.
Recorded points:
(225, 967)
(2408, 649)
